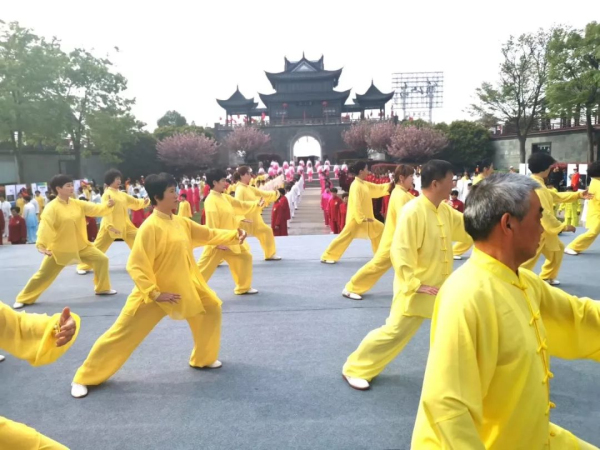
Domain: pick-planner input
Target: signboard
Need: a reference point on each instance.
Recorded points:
(416, 93)
(42, 187)
(11, 193)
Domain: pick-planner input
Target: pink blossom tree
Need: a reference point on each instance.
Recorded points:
(356, 136)
(416, 144)
(183, 152)
(380, 136)
(247, 141)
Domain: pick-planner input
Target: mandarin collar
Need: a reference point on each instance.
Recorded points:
(497, 268)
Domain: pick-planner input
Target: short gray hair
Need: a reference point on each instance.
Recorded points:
(499, 194)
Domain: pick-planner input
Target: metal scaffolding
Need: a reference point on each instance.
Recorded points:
(417, 92)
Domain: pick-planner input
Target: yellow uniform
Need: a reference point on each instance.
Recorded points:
(258, 228)
(221, 211)
(63, 231)
(20, 203)
(40, 201)
(421, 254)
(360, 208)
(550, 244)
(592, 222)
(29, 337)
(572, 212)
(117, 219)
(184, 209)
(370, 273)
(460, 248)
(162, 260)
(487, 382)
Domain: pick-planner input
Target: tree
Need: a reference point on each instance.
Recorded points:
(185, 152)
(517, 97)
(172, 118)
(140, 156)
(356, 137)
(171, 130)
(380, 136)
(468, 142)
(416, 144)
(574, 76)
(247, 141)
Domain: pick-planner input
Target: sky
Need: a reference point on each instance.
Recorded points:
(182, 55)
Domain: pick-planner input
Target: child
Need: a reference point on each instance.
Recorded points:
(184, 207)
(343, 211)
(17, 230)
(325, 197)
(334, 212)
(455, 202)
(572, 211)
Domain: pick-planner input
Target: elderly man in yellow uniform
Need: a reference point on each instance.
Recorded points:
(223, 212)
(39, 340)
(370, 273)
(167, 282)
(421, 255)
(256, 226)
(360, 221)
(583, 242)
(117, 224)
(494, 329)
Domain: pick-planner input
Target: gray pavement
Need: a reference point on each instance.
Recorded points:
(280, 386)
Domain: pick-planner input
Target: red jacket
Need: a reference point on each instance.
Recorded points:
(280, 214)
(17, 230)
(343, 211)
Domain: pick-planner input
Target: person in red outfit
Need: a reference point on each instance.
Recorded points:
(17, 229)
(334, 211)
(455, 202)
(1, 226)
(280, 215)
(343, 208)
(575, 178)
(90, 224)
(196, 199)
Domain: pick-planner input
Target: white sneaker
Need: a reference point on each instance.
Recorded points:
(359, 384)
(250, 291)
(81, 272)
(570, 251)
(327, 261)
(457, 258)
(553, 282)
(109, 292)
(2, 358)
(18, 305)
(351, 295)
(78, 390)
(274, 258)
(216, 365)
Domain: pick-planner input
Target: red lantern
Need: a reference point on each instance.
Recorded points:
(325, 104)
(285, 105)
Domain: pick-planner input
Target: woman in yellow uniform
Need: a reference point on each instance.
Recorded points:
(550, 246)
(184, 209)
(39, 340)
(222, 212)
(494, 328)
(257, 227)
(117, 224)
(360, 221)
(421, 254)
(62, 239)
(592, 223)
(370, 273)
(167, 282)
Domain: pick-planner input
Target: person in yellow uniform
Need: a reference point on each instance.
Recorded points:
(223, 212)
(257, 227)
(39, 340)
(20, 203)
(117, 224)
(167, 282)
(62, 239)
(487, 169)
(40, 201)
(421, 255)
(551, 246)
(592, 223)
(495, 326)
(370, 273)
(360, 221)
(184, 209)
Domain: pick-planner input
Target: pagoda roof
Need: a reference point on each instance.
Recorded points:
(304, 74)
(237, 101)
(293, 66)
(302, 96)
(373, 95)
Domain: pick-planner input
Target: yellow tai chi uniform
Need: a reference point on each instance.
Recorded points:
(117, 219)
(360, 208)
(162, 260)
(550, 244)
(29, 337)
(258, 228)
(20, 203)
(63, 231)
(184, 209)
(592, 222)
(572, 212)
(460, 248)
(41, 203)
(221, 211)
(370, 273)
(487, 382)
(421, 254)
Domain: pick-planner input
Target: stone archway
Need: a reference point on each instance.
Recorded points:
(312, 148)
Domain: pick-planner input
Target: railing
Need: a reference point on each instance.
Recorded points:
(296, 122)
(548, 126)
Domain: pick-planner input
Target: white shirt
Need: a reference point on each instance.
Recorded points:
(96, 198)
(6, 209)
(29, 209)
(36, 206)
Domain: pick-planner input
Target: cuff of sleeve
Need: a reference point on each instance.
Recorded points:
(410, 287)
(154, 295)
(48, 352)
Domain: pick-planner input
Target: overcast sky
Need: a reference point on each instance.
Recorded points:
(182, 55)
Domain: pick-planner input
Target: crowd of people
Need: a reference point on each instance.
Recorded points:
(493, 320)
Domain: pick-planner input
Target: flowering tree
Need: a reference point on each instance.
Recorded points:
(356, 136)
(416, 144)
(380, 136)
(247, 141)
(187, 151)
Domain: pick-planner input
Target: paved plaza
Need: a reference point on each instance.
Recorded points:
(282, 350)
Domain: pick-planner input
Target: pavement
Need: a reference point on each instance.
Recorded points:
(282, 350)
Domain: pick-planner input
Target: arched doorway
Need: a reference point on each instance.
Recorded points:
(307, 147)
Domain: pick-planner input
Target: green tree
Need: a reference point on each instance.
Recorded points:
(468, 142)
(517, 97)
(574, 76)
(140, 156)
(172, 118)
(171, 130)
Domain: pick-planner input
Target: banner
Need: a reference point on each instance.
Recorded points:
(42, 187)
(11, 193)
(21, 187)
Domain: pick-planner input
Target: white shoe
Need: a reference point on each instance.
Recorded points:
(250, 291)
(327, 261)
(457, 258)
(359, 384)
(78, 390)
(18, 305)
(553, 282)
(109, 292)
(274, 258)
(351, 295)
(217, 364)
(2, 358)
(81, 272)
(570, 251)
